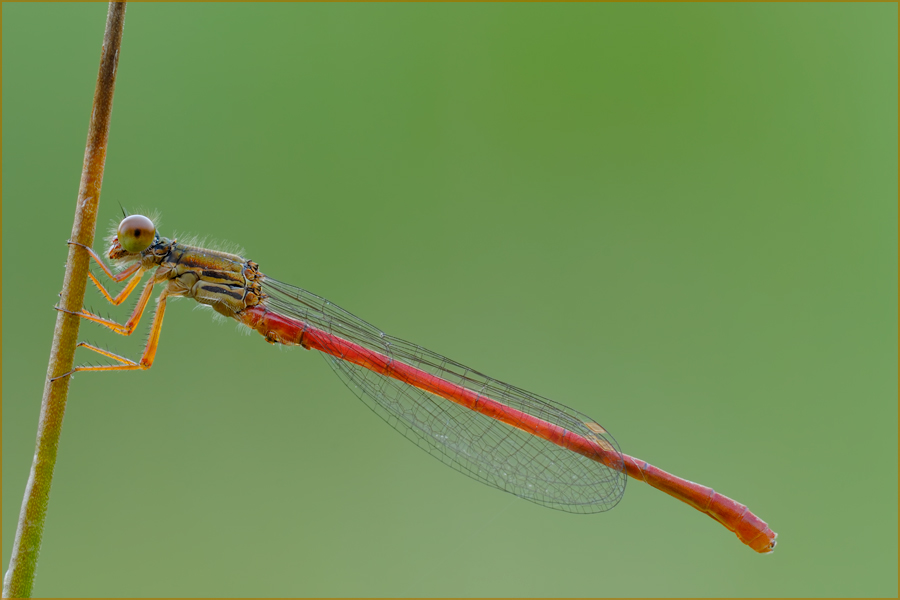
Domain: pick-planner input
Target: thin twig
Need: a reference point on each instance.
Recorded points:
(19, 579)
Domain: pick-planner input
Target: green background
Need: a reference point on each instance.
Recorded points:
(679, 219)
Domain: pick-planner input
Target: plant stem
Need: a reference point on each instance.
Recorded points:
(19, 579)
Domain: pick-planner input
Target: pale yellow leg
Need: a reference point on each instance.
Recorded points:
(131, 323)
(117, 277)
(149, 351)
(126, 291)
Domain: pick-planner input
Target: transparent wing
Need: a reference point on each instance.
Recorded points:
(490, 451)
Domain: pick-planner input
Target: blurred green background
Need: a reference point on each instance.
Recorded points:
(679, 219)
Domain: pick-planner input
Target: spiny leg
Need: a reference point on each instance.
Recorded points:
(106, 353)
(117, 277)
(131, 323)
(127, 364)
(126, 291)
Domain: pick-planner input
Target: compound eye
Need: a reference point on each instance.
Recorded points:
(136, 233)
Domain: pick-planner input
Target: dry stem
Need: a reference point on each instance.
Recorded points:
(19, 579)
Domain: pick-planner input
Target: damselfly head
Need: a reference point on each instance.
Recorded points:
(135, 234)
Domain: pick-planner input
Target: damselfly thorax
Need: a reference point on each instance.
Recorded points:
(227, 282)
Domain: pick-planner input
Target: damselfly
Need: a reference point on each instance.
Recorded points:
(501, 435)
